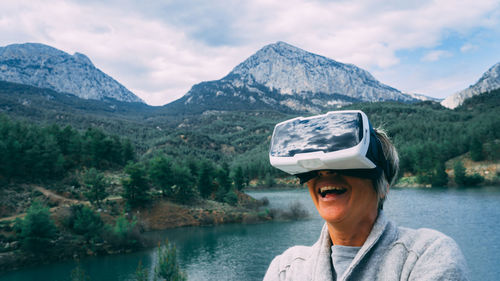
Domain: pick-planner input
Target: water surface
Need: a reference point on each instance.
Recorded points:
(243, 252)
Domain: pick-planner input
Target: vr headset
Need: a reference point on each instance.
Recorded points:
(343, 141)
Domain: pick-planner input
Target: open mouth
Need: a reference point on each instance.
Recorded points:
(336, 190)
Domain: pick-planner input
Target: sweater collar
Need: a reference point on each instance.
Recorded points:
(323, 265)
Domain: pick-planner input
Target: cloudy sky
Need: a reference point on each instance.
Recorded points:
(158, 48)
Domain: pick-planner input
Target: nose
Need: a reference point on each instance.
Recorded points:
(324, 173)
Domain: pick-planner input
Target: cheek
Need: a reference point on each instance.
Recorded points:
(312, 191)
(365, 191)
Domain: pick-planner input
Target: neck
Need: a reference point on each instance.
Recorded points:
(352, 233)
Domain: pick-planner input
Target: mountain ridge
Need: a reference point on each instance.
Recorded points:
(283, 77)
(489, 81)
(44, 66)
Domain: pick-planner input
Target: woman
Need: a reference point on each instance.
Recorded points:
(348, 171)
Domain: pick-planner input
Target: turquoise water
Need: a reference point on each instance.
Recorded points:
(243, 252)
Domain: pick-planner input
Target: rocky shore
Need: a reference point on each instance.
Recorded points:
(158, 215)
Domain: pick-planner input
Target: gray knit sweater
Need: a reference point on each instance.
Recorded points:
(389, 253)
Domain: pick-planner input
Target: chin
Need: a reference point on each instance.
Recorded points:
(332, 215)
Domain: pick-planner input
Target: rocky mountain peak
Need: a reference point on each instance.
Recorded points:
(488, 82)
(83, 59)
(283, 77)
(43, 66)
(291, 70)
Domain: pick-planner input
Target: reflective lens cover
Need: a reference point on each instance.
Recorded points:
(337, 140)
(326, 133)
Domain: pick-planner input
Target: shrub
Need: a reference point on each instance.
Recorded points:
(264, 201)
(295, 211)
(37, 229)
(141, 274)
(231, 198)
(124, 234)
(269, 180)
(461, 177)
(85, 221)
(440, 177)
(167, 267)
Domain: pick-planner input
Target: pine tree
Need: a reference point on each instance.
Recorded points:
(141, 274)
(160, 172)
(459, 170)
(223, 181)
(440, 177)
(184, 190)
(37, 229)
(476, 150)
(205, 179)
(95, 185)
(135, 186)
(168, 267)
(239, 178)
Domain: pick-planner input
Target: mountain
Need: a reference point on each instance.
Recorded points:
(285, 78)
(422, 97)
(47, 67)
(488, 82)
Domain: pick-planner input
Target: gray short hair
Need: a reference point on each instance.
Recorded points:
(381, 184)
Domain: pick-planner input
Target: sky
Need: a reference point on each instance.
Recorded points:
(158, 49)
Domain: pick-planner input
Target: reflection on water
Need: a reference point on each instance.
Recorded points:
(243, 252)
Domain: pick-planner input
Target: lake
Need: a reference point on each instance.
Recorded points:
(243, 252)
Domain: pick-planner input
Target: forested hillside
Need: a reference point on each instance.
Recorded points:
(131, 158)
(426, 134)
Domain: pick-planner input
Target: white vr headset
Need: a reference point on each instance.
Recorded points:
(338, 140)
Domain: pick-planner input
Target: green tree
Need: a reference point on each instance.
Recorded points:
(141, 273)
(440, 177)
(37, 229)
(184, 190)
(168, 267)
(123, 234)
(239, 178)
(231, 197)
(135, 185)
(206, 179)
(476, 150)
(459, 171)
(86, 222)
(161, 175)
(461, 177)
(223, 182)
(94, 148)
(269, 180)
(95, 185)
(128, 151)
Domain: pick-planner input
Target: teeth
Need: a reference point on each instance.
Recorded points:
(326, 188)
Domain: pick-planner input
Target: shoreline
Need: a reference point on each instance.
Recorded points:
(159, 215)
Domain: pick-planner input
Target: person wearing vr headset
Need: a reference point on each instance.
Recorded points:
(348, 167)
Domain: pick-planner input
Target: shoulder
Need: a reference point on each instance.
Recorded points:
(290, 262)
(434, 254)
(292, 255)
(422, 240)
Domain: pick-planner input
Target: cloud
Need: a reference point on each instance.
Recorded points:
(159, 49)
(467, 47)
(436, 55)
(154, 60)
